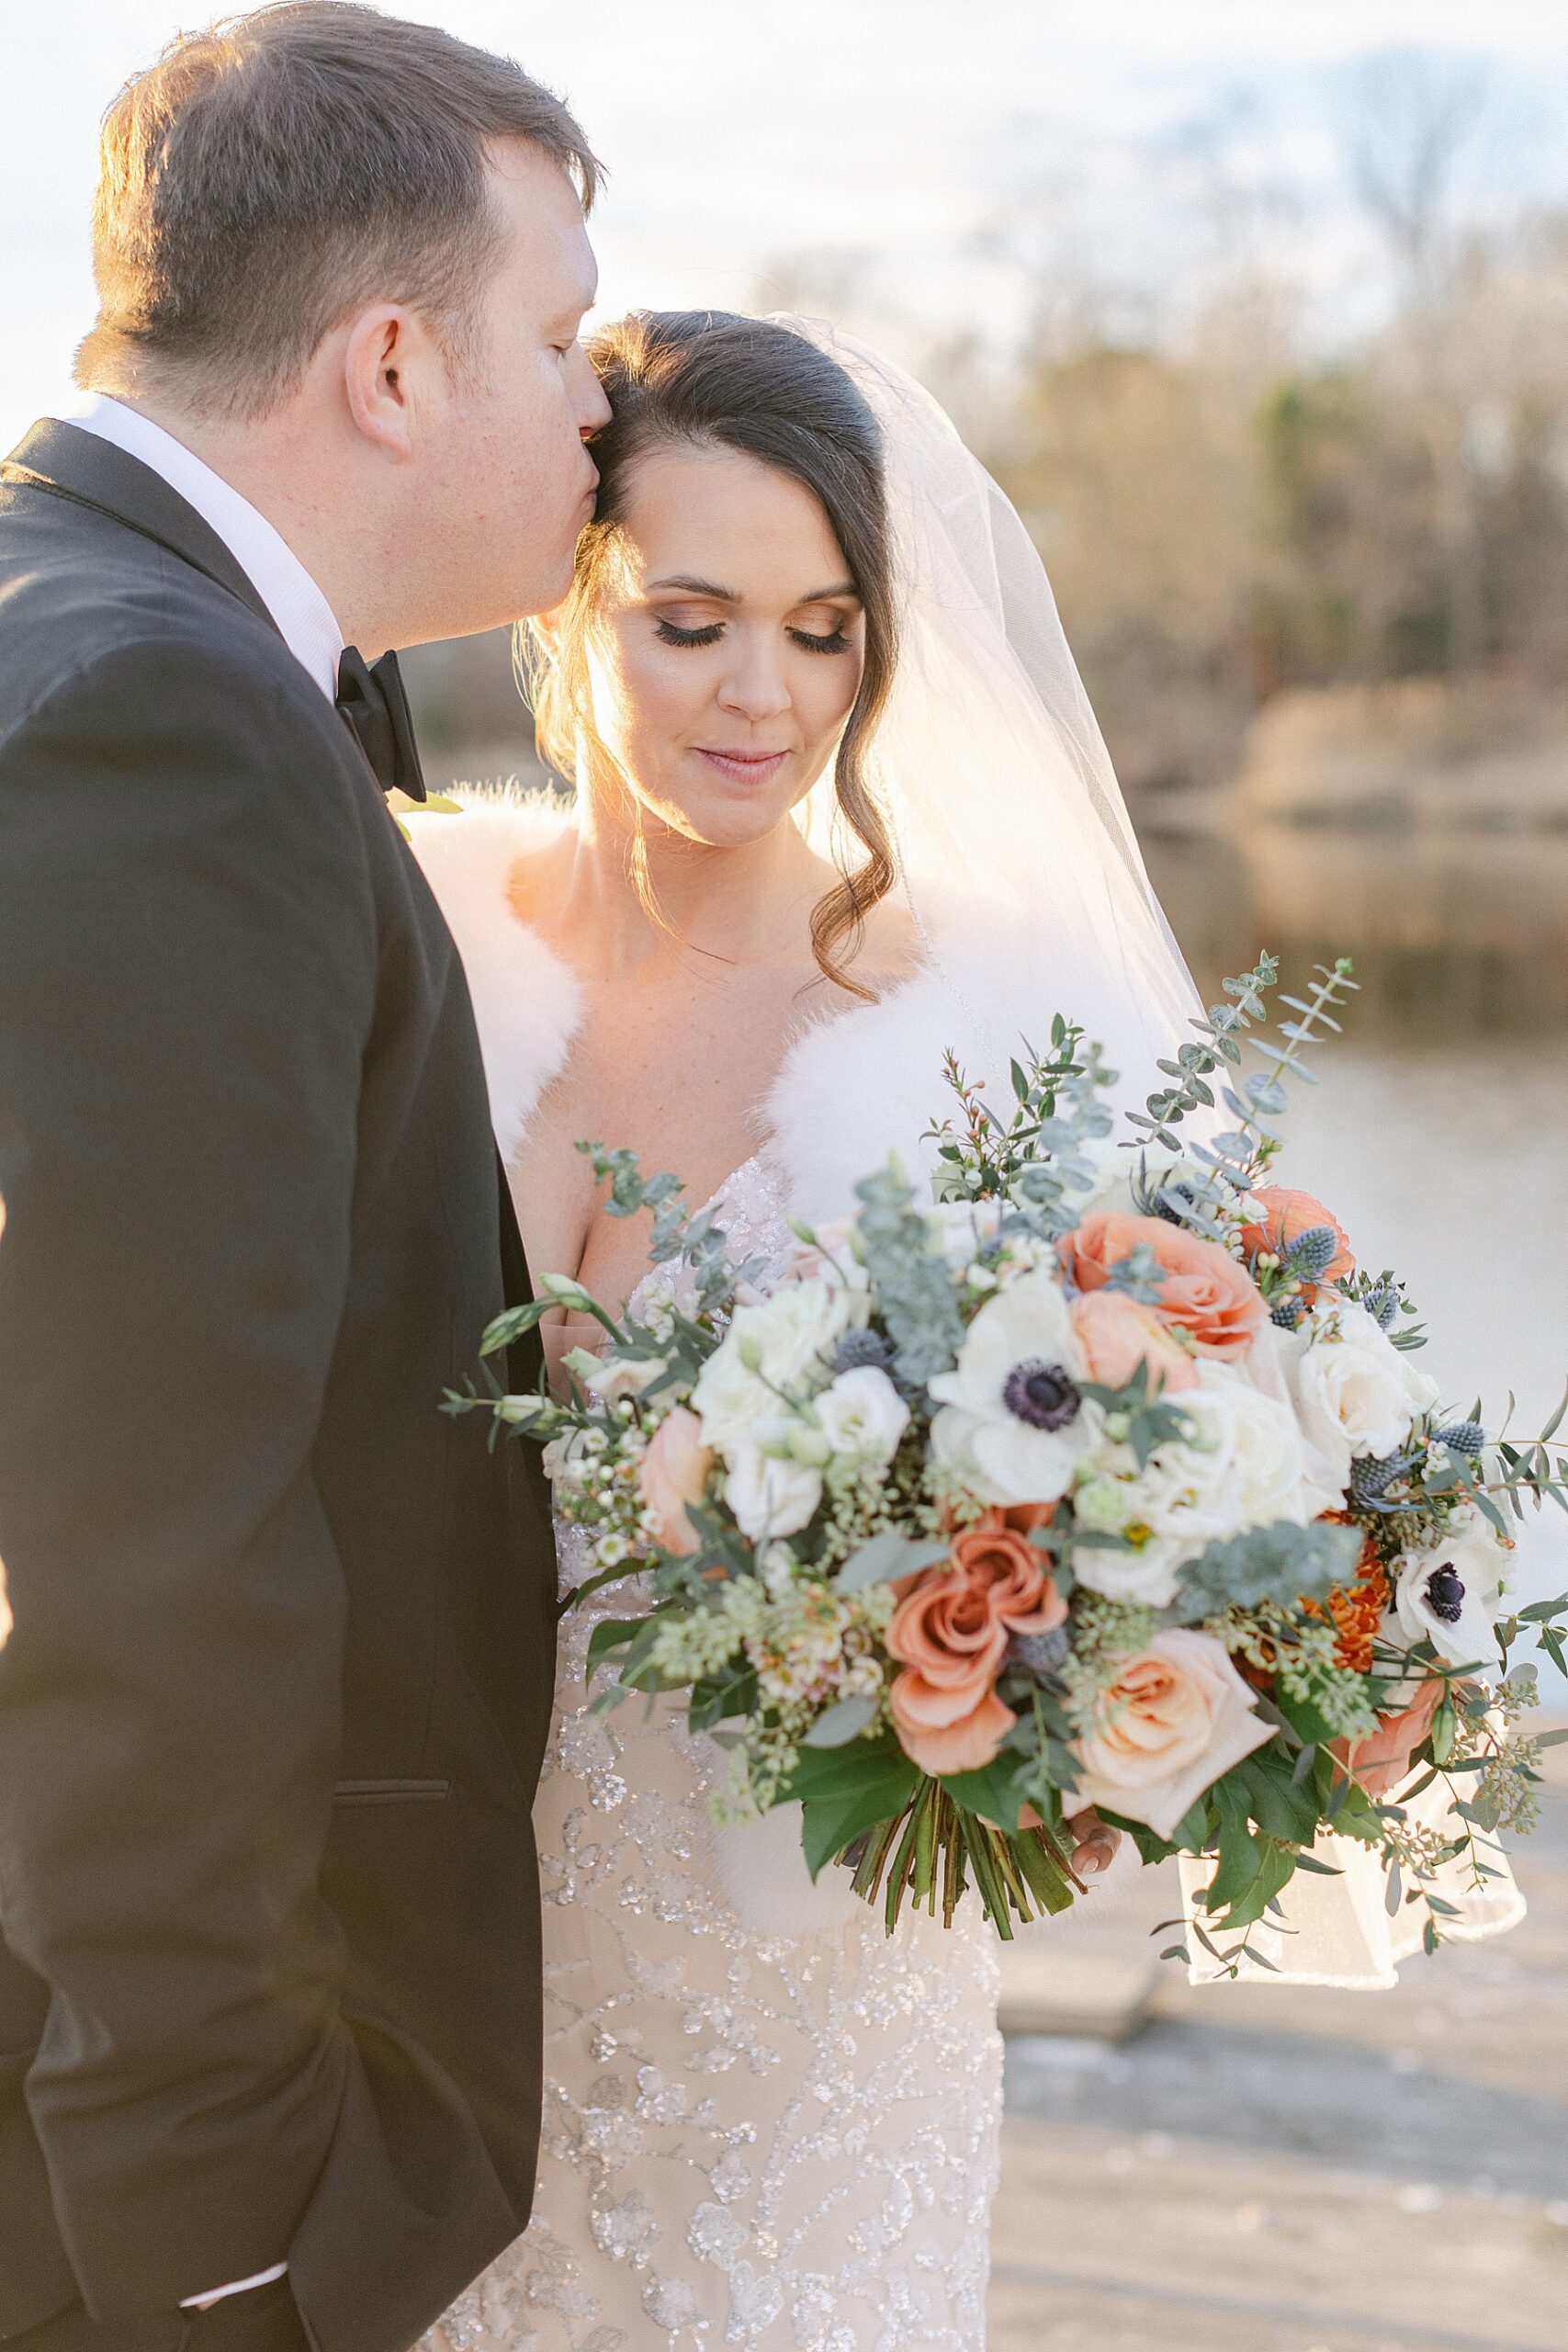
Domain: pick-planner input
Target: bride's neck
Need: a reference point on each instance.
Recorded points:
(746, 904)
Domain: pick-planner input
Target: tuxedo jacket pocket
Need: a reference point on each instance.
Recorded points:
(350, 1792)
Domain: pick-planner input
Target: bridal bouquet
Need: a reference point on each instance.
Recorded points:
(1105, 1478)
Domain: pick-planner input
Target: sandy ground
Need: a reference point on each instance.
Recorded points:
(1258, 2170)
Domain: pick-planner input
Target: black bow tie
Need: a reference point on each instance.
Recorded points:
(371, 698)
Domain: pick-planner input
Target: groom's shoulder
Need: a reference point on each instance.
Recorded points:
(97, 611)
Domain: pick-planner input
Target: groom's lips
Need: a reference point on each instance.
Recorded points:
(746, 767)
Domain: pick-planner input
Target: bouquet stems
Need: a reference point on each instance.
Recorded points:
(932, 1849)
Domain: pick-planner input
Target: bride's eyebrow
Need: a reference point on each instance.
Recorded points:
(696, 588)
(693, 587)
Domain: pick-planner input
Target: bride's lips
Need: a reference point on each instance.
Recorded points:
(746, 767)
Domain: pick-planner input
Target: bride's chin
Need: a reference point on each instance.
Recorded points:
(722, 827)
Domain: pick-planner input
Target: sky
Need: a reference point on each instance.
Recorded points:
(929, 167)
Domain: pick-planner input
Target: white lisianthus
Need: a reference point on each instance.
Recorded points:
(862, 1414)
(612, 1377)
(1354, 1391)
(1451, 1594)
(963, 1228)
(776, 1349)
(1243, 1466)
(1012, 1422)
(770, 1496)
(1116, 1168)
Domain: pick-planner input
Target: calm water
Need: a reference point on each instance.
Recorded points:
(1438, 1129)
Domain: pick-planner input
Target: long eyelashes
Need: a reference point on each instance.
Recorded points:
(668, 633)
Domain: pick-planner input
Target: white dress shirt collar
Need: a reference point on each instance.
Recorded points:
(307, 621)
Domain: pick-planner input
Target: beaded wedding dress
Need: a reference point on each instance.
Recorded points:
(782, 2142)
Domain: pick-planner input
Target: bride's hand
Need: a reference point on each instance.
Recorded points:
(1096, 1843)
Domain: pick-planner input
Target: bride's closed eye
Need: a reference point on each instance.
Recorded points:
(836, 642)
(670, 633)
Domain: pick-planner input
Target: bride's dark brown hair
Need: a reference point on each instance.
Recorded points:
(710, 379)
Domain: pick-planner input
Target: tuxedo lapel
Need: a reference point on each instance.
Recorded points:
(81, 467)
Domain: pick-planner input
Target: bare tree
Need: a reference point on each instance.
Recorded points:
(1415, 122)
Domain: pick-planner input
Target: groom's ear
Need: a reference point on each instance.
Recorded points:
(383, 355)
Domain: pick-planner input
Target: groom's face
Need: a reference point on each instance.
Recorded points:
(508, 482)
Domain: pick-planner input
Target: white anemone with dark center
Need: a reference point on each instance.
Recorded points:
(1012, 1421)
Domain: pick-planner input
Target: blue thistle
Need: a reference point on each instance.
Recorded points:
(1287, 1313)
(1371, 1477)
(1382, 1303)
(1464, 1436)
(858, 1349)
(1310, 1253)
(1043, 1653)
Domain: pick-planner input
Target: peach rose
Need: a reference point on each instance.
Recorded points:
(1382, 1759)
(1205, 1291)
(672, 1473)
(1177, 1717)
(1117, 1334)
(1287, 1213)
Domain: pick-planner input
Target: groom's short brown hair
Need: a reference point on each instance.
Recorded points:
(272, 173)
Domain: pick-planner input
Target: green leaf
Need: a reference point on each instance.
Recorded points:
(610, 1634)
(885, 1557)
(993, 1793)
(829, 1823)
(840, 1724)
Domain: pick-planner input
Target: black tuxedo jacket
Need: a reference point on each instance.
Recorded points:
(274, 1708)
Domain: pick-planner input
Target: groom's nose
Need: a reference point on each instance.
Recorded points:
(588, 395)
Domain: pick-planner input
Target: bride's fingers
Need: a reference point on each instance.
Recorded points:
(1095, 1848)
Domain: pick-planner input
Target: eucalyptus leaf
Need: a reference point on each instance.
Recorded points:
(840, 1724)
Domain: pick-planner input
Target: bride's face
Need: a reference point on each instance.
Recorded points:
(729, 644)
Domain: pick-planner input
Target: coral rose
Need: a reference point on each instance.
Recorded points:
(1007, 1567)
(1177, 1717)
(951, 1633)
(1382, 1759)
(951, 1643)
(1117, 1334)
(1287, 1213)
(672, 1473)
(1205, 1291)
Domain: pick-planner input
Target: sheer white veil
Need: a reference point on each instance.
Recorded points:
(1013, 842)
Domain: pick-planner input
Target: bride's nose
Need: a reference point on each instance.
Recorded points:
(754, 686)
